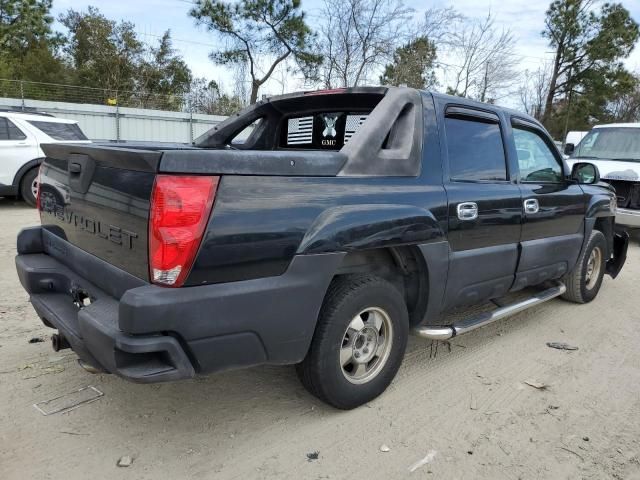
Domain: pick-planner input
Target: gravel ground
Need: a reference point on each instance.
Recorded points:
(466, 412)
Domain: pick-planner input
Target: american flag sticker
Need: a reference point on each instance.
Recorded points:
(300, 131)
(354, 122)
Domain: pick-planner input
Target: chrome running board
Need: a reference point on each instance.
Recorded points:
(445, 332)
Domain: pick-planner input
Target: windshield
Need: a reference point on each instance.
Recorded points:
(613, 143)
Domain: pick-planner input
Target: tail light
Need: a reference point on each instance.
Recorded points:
(180, 209)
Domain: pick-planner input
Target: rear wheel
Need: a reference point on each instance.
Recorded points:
(29, 187)
(584, 282)
(359, 341)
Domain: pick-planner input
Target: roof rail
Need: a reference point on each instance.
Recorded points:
(26, 112)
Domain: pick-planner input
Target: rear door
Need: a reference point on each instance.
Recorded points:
(553, 208)
(484, 207)
(16, 149)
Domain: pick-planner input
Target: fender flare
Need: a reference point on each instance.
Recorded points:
(599, 207)
(24, 169)
(367, 226)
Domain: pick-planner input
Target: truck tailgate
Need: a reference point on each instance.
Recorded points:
(97, 198)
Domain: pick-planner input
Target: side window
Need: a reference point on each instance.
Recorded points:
(14, 132)
(4, 129)
(8, 130)
(60, 131)
(536, 160)
(475, 148)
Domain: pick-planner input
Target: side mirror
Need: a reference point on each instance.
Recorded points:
(585, 173)
(569, 149)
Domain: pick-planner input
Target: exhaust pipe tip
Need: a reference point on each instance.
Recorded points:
(59, 342)
(88, 367)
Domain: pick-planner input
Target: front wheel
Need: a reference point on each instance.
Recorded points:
(584, 282)
(359, 341)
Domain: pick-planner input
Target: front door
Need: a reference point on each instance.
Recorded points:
(553, 208)
(485, 209)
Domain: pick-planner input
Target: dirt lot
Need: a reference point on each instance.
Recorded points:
(468, 410)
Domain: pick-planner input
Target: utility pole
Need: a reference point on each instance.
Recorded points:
(22, 94)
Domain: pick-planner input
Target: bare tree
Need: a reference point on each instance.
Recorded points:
(484, 60)
(358, 37)
(241, 82)
(259, 32)
(533, 92)
(437, 23)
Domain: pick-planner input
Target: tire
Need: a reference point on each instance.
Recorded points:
(27, 183)
(363, 322)
(583, 283)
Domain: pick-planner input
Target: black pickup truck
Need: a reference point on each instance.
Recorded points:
(317, 229)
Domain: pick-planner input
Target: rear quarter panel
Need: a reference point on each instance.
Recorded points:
(259, 223)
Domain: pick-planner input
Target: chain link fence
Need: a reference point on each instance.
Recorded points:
(195, 101)
(115, 115)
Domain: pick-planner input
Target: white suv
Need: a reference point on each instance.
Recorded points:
(21, 135)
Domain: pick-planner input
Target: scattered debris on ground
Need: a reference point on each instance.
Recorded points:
(40, 370)
(561, 346)
(36, 340)
(125, 461)
(473, 404)
(423, 461)
(536, 385)
(384, 448)
(567, 449)
(312, 456)
(68, 401)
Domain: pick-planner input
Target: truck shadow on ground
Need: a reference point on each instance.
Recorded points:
(13, 203)
(260, 397)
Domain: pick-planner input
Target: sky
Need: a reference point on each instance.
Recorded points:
(525, 18)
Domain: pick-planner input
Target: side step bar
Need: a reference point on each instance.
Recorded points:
(468, 324)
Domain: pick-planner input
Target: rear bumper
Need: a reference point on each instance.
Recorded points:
(627, 217)
(147, 333)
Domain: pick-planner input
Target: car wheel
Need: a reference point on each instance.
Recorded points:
(359, 341)
(29, 187)
(583, 283)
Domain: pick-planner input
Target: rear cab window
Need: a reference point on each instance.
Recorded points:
(475, 150)
(60, 131)
(321, 131)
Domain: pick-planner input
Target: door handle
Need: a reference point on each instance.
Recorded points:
(467, 211)
(531, 205)
(75, 167)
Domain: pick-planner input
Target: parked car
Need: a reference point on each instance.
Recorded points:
(346, 220)
(21, 139)
(615, 149)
